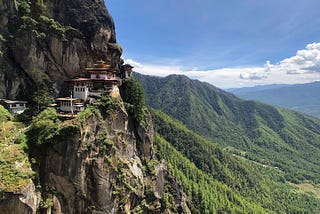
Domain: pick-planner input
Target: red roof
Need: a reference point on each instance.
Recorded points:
(80, 79)
(96, 79)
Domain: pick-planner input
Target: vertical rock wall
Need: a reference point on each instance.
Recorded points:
(100, 167)
(62, 40)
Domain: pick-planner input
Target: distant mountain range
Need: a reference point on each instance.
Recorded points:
(300, 97)
(256, 88)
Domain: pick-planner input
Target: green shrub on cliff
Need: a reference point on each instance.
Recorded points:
(5, 115)
(133, 96)
(45, 130)
(105, 104)
(33, 18)
(44, 127)
(15, 171)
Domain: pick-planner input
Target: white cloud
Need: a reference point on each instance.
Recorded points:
(252, 76)
(151, 69)
(263, 73)
(268, 67)
(305, 61)
(301, 68)
(133, 63)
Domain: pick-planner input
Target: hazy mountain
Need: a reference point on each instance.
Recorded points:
(255, 88)
(300, 97)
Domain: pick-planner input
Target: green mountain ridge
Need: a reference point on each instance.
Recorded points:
(271, 136)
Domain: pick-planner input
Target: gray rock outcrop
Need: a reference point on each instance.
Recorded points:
(24, 202)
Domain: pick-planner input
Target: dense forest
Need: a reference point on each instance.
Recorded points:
(219, 182)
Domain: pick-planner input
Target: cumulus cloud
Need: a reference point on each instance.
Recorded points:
(305, 61)
(268, 67)
(252, 76)
(301, 68)
(258, 75)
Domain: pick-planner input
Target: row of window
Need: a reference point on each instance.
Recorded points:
(79, 89)
(97, 76)
(65, 103)
(17, 105)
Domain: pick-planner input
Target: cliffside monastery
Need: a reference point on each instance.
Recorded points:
(98, 80)
(95, 81)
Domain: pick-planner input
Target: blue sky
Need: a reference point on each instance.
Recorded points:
(228, 43)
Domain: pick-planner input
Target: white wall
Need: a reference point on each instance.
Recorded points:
(81, 92)
(17, 108)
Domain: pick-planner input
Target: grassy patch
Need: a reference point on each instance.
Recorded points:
(5, 115)
(307, 188)
(15, 171)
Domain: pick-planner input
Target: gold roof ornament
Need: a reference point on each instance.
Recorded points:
(101, 67)
(127, 67)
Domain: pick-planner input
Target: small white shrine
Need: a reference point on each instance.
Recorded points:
(15, 106)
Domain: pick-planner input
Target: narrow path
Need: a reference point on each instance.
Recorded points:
(14, 138)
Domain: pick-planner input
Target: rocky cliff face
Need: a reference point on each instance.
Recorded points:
(25, 201)
(53, 39)
(97, 165)
(102, 161)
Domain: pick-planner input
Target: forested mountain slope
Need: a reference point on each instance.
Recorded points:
(271, 136)
(218, 182)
